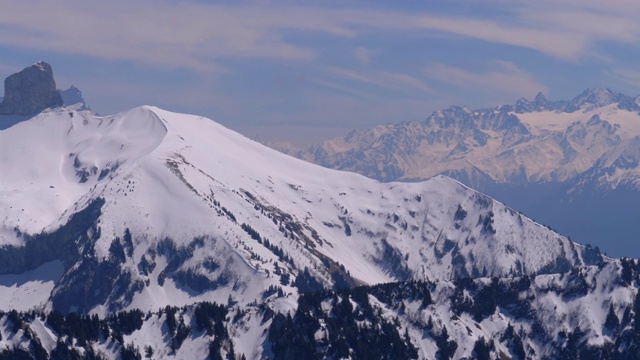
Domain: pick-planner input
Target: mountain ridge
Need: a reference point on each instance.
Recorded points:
(156, 198)
(587, 313)
(168, 234)
(564, 148)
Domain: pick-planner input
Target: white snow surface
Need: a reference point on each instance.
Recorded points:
(173, 176)
(30, 289)
(38, 180)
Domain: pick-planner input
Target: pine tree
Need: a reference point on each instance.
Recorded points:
(481, 350)
(148, 352)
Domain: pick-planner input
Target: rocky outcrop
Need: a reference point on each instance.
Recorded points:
(30, 91)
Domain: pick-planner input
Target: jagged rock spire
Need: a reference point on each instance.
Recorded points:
(30, 91)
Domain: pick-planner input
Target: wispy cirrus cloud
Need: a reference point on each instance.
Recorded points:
(185, 34)
(627, 76)
(504, 80)
(338, 87)
(197, 35)
(257, 62)
(363, 55)
(383, 79)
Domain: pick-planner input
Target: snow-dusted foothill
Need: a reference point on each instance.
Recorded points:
(590, 312)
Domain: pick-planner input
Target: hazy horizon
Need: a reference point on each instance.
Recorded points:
(306, 71)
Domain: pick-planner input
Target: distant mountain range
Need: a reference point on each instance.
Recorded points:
(164, 235)
(570, 164)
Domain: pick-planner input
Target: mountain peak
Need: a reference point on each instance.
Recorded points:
(599, 93)
(597, 97)
(540, 99)
(72, 98)
(30, 91)
(44, 66)
(539, 103)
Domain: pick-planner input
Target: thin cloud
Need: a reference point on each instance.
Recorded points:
(504, 80)
(198, 35)
(554, 43)
(357, 76)
(363, 55)
(342, 88)
(405, 81)
(589, 25)
(184, 35)
(627, 76)
(383, 79)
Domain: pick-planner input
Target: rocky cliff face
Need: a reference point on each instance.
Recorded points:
(30, 91)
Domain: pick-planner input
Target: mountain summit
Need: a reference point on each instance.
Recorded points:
(30, 91)
(152, 208)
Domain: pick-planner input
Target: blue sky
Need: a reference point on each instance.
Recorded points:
(301, 71)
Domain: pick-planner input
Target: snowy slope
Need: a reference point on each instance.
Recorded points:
(569, 164)
(584, 314)
(158, 208)
(587, 313)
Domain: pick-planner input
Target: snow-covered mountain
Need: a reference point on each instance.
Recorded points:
(148, 208)
(168, 234)
(562, 162)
